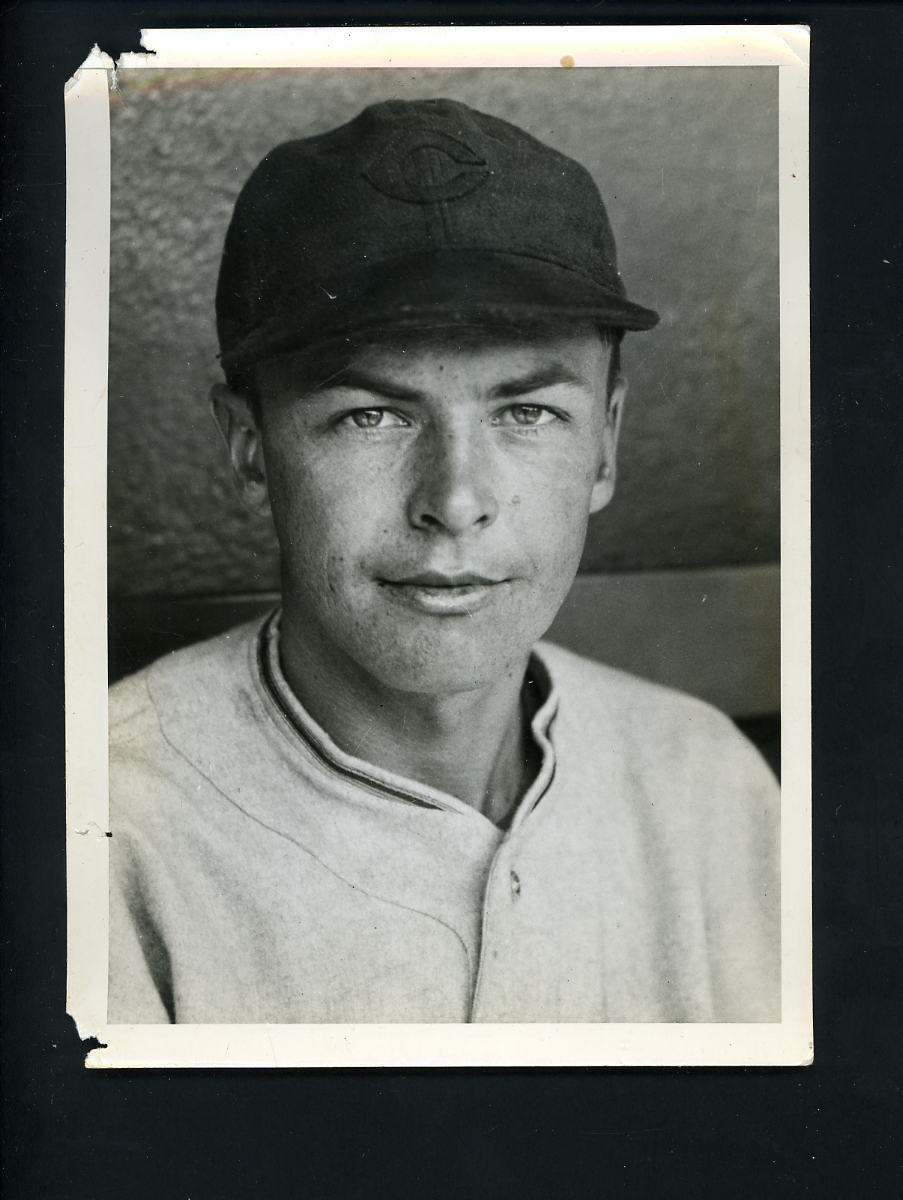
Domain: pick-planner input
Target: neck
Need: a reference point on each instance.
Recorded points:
(474, 745)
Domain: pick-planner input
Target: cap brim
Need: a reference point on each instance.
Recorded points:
(447, 287)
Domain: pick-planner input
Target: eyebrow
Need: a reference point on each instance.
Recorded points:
(363, 380)
(367, 381)
(548, 376)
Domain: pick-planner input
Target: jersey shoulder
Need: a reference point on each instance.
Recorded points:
(187, 674)
(649, 720)
(164, 719)
(595, 684)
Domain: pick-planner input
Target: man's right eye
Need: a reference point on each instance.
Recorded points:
(375, 418)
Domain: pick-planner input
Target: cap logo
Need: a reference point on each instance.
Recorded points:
(423, 166)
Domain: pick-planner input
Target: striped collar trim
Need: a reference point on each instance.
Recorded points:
(375, 779)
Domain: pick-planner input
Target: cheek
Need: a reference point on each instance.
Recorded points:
(326, 512)
(550, 510)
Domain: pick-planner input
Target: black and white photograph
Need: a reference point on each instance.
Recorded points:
(452, 601)
(450, 485)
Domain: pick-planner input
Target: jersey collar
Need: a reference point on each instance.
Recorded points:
(377, 779)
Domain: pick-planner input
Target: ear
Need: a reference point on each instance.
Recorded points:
(241, 434)
(604, 487)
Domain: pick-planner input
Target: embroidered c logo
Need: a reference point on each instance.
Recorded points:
(423, 166)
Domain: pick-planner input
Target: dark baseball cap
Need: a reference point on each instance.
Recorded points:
(414, 213)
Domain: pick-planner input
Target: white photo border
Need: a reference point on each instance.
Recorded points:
(788, 1043)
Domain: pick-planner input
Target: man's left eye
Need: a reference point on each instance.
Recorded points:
(526, 415)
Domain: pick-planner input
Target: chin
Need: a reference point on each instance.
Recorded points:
(444, 669)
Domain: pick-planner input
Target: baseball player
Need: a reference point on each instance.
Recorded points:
(390, 800)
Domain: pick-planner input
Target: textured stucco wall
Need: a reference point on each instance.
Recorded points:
(686, 161)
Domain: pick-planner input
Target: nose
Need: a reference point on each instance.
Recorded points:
(453, 492)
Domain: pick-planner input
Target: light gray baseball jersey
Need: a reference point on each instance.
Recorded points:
(260, 874)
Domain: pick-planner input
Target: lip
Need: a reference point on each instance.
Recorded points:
(439, 579)
(439, 594)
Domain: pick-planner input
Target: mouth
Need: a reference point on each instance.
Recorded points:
(458, 594)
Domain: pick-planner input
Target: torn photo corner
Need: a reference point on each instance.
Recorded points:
(436, 548)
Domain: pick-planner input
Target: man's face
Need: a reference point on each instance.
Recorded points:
(431, 498)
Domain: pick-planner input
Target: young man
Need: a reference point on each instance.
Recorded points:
(386, 802)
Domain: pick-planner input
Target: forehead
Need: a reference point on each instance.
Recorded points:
(486, 353)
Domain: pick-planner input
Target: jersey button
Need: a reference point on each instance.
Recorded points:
(515, 883)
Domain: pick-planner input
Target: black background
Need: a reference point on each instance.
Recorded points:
(828, 1130)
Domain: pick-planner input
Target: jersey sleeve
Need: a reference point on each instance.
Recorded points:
(742, 878)
(138, 989)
